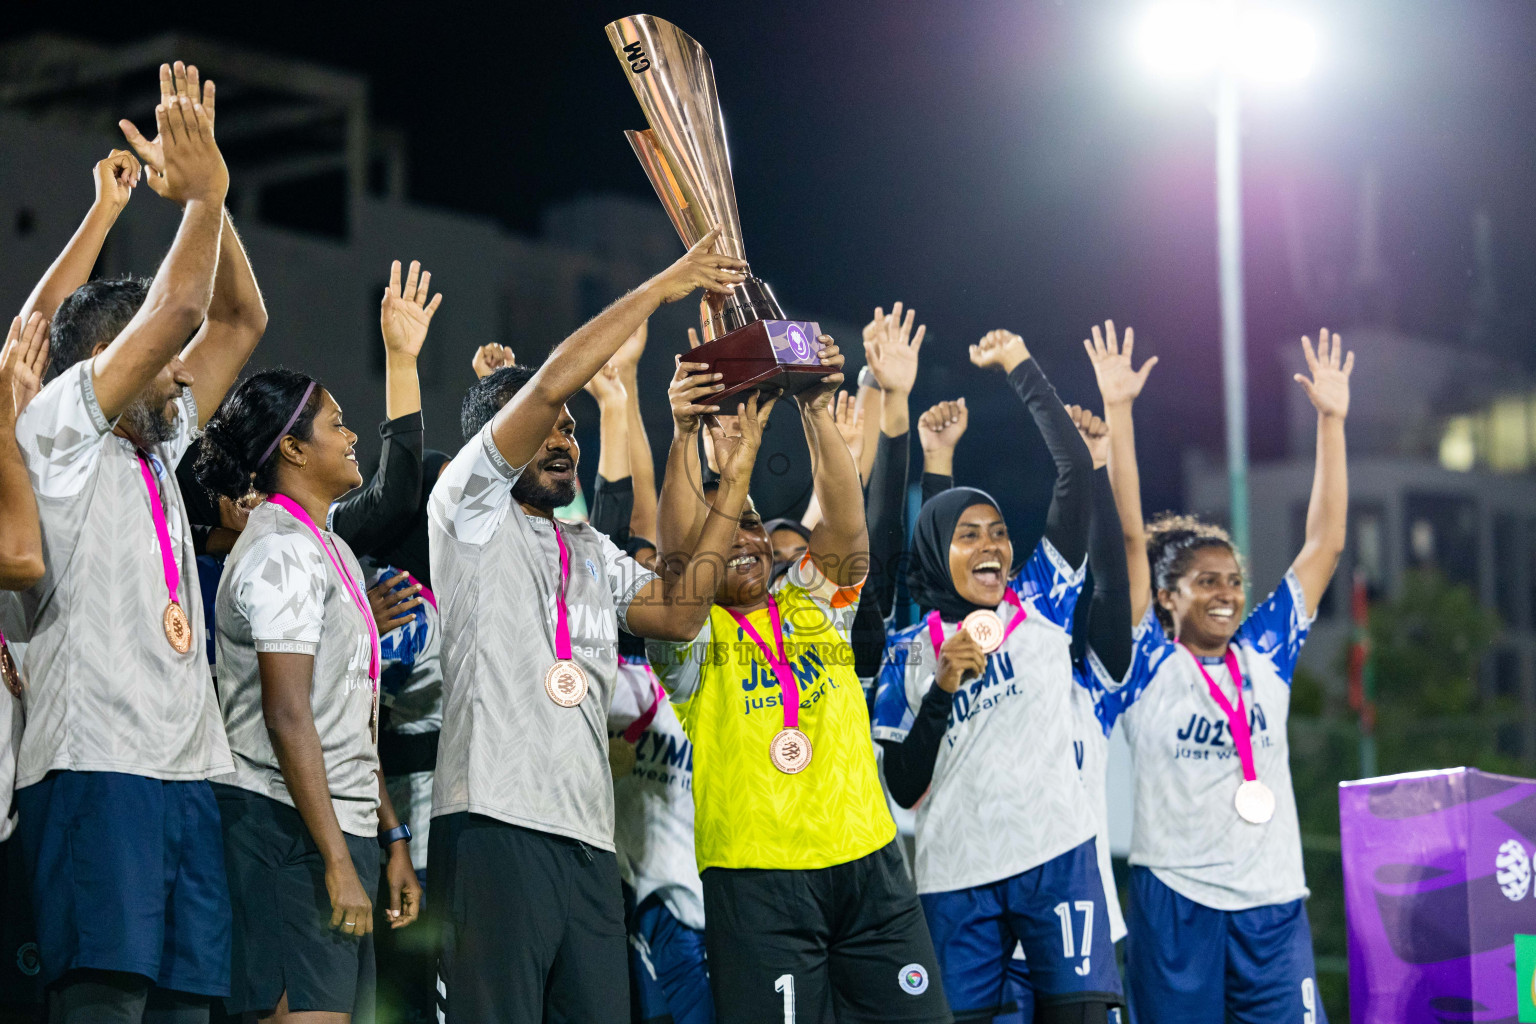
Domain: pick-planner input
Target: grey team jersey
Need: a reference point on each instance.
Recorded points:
(654, 804)
(280, 593)
(506, 749)
(1187, 770)
(106, 691)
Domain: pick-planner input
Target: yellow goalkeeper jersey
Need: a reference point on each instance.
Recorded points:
(747, 813)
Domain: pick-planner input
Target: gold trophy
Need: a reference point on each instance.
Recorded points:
(685, 157)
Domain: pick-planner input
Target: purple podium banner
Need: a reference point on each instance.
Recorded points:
(1437, 884)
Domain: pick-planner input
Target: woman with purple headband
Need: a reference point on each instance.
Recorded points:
(299, 674)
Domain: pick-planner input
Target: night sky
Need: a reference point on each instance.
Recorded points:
(991, 164)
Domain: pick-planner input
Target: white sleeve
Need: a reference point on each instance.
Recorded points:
(280, 587)
(176, 448)
(839, 604)
(626, 577)
(60, 433)
(474, 493)
(633, 696)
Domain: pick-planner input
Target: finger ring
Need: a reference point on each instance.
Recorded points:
(348, 924)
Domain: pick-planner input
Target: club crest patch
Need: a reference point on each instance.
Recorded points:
(913, 979)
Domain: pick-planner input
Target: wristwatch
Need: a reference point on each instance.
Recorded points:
(394, 835)
(867, 379)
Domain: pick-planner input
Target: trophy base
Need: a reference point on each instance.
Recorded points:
(772, 357)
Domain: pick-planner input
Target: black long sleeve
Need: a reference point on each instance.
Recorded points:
(936, 483)
(612, 503)
(377, 513)
(885, 516)
(1066, 524)
(1108, 629)
(909, 764)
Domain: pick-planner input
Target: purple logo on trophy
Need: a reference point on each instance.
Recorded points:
(798, 343)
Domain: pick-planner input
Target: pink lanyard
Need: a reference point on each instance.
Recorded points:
(1237, 717)
(294, 509)
(789, 687)
(162, 530)
(936, 624)
(639, 725)
(562, 617)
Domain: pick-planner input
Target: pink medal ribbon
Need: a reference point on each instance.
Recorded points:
(638, 726)
(1255, 801)
(790, 749)
(177, 629)
(294, 509)
(981, 621)
(566, 681)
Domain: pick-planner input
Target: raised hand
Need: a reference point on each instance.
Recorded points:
(960, 658)
(819, 396)
(1094, 432)
(1002, 349)
(737, 454)
(942, 426)
(1328, 387)
(182, 91)
(392, 608)
(607, 386)
(627, 358)
(890, 348)
(404, 313)
(22, 362)
(850, 422)
(116, 177)
(1119, 384)
(491, 357)
(699, 268)
(690, 395)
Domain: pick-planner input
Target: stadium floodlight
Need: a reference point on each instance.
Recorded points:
(1229, 42)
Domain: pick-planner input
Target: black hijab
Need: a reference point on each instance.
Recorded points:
(928, 578)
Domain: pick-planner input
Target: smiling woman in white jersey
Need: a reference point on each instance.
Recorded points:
(974, 706)
(1218, 923)
(305, 810)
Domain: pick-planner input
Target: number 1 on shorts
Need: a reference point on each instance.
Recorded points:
(1069, 947)
(786, 983)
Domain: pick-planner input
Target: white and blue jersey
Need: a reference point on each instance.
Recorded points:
(1006, 795)
(1093, 713)
(411, 687)
(1187, 830)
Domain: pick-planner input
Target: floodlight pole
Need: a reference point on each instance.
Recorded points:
(1229, 246)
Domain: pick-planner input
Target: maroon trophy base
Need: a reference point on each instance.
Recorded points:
(774, 357)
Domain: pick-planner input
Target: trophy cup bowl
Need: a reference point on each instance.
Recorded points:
(683, 153)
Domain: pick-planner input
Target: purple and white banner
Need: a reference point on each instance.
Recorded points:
(1437, 883)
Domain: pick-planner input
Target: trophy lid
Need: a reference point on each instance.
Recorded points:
(684, 152)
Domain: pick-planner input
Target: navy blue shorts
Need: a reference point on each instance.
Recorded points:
(1187, 962)
(1056, 911)
(667, 960)
(21, 982)
(127, 875)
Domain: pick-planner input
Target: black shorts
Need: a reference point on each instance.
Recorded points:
(21, 982)
(532, 925)
(283, 939)
(847, 943)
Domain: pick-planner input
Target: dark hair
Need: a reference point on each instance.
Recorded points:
(244, 427)
(487, 395)
(1172, 541)
(92, 315)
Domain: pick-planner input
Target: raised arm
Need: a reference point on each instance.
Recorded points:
(22, 361)
(1107, 624)
(613, 494)
(891, 349)
(682, 509)
(116, 177)
(1328, 509)
(195, 177)
(382, 509)
(1066, 522)
(840, 541)
(642, 464)
(1119, 387)
(939, 430)
(524, 422)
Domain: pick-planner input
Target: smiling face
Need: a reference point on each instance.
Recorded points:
(329, 453)
(748, 564)
(1207, 604)
(979, 555)
(788, 545)
(549, 481)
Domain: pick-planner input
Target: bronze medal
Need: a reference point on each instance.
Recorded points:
(985, 628)
(9, 671)
(1255, 802)
(790, 751)
(621, 757)
(566, 683)
(177, 630)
